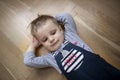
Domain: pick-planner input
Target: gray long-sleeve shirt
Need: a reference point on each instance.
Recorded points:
(70, 34)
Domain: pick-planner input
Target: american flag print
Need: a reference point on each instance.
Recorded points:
(71, 60)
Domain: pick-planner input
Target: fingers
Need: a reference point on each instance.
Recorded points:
(34, 42)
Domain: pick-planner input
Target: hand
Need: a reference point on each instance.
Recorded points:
(34, 43)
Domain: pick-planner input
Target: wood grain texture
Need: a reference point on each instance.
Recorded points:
(98, 24)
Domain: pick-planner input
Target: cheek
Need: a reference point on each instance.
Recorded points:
(45, 44)
(60, 33)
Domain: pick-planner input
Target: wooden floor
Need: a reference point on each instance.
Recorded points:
(98, 23)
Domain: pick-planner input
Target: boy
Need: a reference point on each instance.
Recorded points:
(67, 53)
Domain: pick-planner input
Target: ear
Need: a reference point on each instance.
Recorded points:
(60, 28)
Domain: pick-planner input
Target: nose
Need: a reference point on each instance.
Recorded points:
(51, 39)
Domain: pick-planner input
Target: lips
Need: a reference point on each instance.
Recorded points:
(54, 43)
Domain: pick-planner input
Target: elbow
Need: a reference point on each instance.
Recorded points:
(27, 63)
(68, 14)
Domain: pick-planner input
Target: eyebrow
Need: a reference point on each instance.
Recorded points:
(53, 30)
(42, 37)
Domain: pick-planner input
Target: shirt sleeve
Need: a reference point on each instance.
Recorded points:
(68, 22)
(37, 62)
(86, 47)
(70, 28)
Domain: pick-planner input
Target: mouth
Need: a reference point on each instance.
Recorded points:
(54, 43)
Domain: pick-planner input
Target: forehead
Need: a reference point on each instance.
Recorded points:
(46, 28)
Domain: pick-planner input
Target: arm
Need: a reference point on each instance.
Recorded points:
(68, 22)
(31, 60)
(70, 26)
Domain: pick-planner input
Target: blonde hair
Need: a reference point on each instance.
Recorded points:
(41, 20)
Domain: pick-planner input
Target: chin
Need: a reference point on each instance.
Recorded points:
(55, 48)
(52, 50)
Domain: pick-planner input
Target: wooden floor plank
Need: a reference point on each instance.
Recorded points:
(5, 74)
(97, 23)
(11, 57)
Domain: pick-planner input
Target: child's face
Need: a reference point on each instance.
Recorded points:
(50, 36)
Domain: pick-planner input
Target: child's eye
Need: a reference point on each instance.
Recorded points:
(44, 39)
(53, 32)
